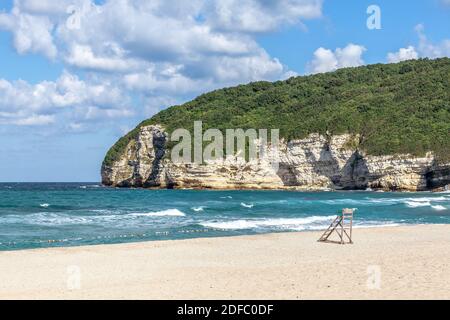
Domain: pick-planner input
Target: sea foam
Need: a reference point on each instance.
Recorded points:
(280, 223)
(417, 204)
(163, 213)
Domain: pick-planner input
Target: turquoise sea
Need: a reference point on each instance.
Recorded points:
(36, 215)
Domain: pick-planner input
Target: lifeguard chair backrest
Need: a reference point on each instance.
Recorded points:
(347, 212)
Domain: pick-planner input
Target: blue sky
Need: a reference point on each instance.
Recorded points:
(76, 75)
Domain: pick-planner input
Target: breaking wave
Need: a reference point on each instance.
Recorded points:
(103, 216)
(307, 223)
(164, 213)
(417, 204)
(410, 202)
(313, 223)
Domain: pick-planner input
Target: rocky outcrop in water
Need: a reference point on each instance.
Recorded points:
(314, 163)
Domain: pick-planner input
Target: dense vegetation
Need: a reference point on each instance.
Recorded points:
(396, 108)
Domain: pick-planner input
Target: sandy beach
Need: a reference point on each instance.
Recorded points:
(410, 262)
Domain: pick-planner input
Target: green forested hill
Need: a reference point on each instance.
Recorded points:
(396, 108)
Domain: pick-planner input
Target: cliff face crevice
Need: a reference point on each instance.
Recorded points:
(314, 163)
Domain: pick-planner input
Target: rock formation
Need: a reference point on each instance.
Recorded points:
(314, 163)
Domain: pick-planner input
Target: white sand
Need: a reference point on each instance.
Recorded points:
(413, 263)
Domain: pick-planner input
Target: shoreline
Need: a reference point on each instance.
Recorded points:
(218, 237)
(410, 262)
(387, 226)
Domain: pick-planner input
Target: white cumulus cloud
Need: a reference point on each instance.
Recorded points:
(326, 60)
(424, 49)
(83, 57)
(261, 15)
(25, 104)
(35, 120)
(429, 49)
(403, 54)
(31, 33)
(137, 51)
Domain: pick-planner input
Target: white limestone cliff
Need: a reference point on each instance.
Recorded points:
(313, 163)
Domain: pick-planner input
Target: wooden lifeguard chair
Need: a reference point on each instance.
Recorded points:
(342, 225)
